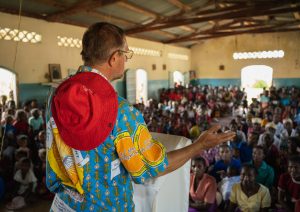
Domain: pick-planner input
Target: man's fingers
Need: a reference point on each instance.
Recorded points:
(226, 136)
(214, 128)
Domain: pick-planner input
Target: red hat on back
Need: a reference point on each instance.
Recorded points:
(85, 109)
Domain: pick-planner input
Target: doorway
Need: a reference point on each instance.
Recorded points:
(8, 84)
(255, 78)
(137, 86)
(176, 77)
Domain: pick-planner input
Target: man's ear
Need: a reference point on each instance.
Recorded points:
(112, 59)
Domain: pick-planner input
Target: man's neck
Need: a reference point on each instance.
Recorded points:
(104, 70)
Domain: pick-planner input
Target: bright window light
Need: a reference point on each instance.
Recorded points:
(145, 52)
(69, 42)
(18, 35)
(178, 56)
(258, 55)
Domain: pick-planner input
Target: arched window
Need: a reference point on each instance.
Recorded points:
(8, 83)
(254, 78)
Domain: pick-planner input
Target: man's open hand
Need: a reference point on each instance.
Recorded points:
(211, 138)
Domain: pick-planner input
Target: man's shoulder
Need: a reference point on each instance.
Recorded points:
(123, 102)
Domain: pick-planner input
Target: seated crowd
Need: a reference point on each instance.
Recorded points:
(258, 170)
(23, 154)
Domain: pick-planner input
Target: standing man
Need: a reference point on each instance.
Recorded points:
(97, 143)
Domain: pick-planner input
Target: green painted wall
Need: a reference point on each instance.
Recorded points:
(28, 91)
(38, 91)
(278, 82)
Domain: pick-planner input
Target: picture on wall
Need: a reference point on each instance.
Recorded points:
(55, 72)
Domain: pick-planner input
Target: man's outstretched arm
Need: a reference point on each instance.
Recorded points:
(206, 140)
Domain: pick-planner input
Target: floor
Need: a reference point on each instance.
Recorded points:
(40, 206)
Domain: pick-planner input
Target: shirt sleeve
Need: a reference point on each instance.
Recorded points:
(270, 179)
(266, 198)
(233, 195)
(142, 156)
(210, 196)
(282, 182)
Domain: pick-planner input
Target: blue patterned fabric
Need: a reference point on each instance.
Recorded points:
(100, 179)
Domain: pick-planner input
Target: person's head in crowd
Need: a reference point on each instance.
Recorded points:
(42, 137)
(233, 126)
(267, 140)
(11, 104)
(9, 119)
(288, 124)
(270, 128)
(35, 113)
(42, 154)
(25, 165)
(27, 106)
(253, 138)
(21, 115)
(22, 141)
(256, 124)
(236, 152)
(294, 167)
(34, 103)
(225, 152)
(292, 144)
(10, 111)
(199, 166)
(248, 176)
(258, 154)
(3, 100)
(232, 171)
(269, 116)
(276, 117)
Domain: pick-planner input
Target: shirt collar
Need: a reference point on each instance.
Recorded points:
(84, 68)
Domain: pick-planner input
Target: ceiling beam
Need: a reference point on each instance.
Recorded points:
(79, 6)
(229, 15)
(52, 3)
(23, 13)
(187, 28)
(245, 32)
(109, 18)
(167, 34)
(180, 5)
(203, 32)
(136, 8)
(207, 34)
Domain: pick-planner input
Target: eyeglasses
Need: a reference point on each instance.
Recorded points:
(128, 54)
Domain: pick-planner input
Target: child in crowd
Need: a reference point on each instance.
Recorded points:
(35, 121)
(25, 188)
(22, 141)
(289, 186)
(226, 160)
(265, 173)
(225, 186)
(246, 148)
(203, 188)
(21, 123)
(248, 195)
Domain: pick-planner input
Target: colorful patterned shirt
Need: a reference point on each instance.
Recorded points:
(100, 179)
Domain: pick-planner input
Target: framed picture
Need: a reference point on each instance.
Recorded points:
(192, 75)
(54, 72)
